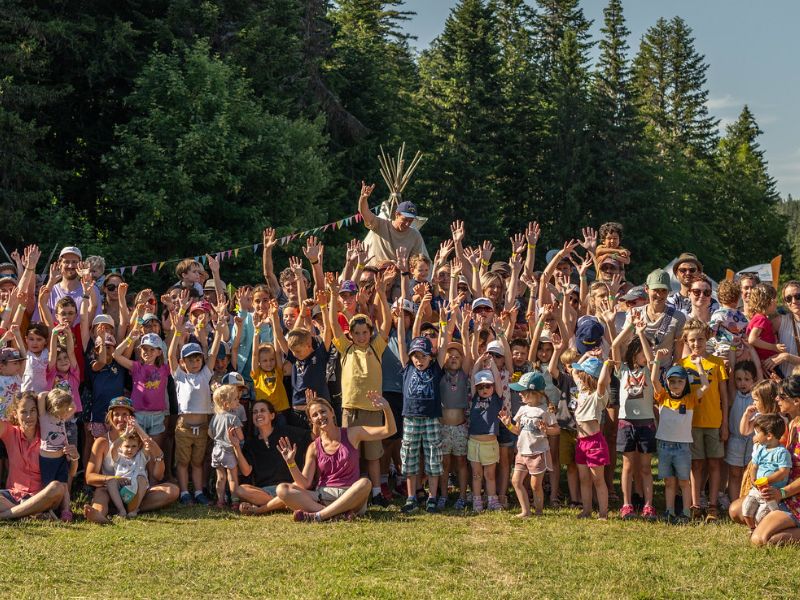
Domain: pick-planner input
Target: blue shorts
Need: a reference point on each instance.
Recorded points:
(739, 450)
(53, 469)
(674, 460)
(152, 421)
(272, 490)
(506, 439)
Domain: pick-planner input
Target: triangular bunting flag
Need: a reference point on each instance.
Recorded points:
(153, 266)
(255, 248)
(161, 265)
(230, 252)
(236, 252)
(203, 259)
(133, 269)
(122, 270)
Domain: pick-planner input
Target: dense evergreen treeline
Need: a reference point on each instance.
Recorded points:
(151, 129)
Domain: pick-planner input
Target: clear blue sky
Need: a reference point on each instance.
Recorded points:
(750, 48)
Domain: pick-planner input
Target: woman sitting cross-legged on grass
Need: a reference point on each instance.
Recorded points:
(20, 434)
(340, 490)
(781, 526)
(260, 459)
(100, 468)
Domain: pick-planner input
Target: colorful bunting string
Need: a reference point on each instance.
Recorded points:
(226, 254)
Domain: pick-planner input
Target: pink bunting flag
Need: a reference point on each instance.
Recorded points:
(122, 270)
(153, 266)
(133, 269)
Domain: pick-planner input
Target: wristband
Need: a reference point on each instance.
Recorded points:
(314, 262)
(181, 312)
(130, 342)
(159, 458)
(484, 262)
(783, 494)
(531, 246)
(406, 273)
(513, 255)
(508, 426)
(140, 321)
(442, 324)
(292, 465)
(612, 298)
(323, 306)
(359, 266)
(178, 333)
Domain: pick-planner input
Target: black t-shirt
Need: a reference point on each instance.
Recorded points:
(269, 468)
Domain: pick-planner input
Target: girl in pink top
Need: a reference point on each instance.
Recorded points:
(760, 333)
(62, 367)
(335, 455)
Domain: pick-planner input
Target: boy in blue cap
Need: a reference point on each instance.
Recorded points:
(674, 435)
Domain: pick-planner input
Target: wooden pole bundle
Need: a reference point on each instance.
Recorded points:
(395, 173)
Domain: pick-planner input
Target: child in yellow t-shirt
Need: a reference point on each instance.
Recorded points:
(267, 375)
(710, 419)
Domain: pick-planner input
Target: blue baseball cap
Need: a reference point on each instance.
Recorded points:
(591, 365)
(190, 349)
(677, 371)
(420, 344)
(407, 209)
(588, 335)
(529, 381)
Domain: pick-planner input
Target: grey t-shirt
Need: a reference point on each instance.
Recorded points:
(454, 389)
(219, 425)
(656, 334)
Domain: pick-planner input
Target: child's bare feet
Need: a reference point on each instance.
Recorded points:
(523, 515)
(602, 517)
(94, 515)
(584, 515)
(247, 509)
(133, 514)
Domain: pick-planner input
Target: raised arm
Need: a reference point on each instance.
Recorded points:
(383, 306)
(532, 233)
(304, 478)
(313, 252)
(268, 243)
(605, 377)
(277, 330)
(466, 317)
(364, 433)
(211, 355)
(213, 264)
(44, 311)
(363, 206)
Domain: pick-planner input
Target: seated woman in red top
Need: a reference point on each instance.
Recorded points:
(335, 455)
(20, 434)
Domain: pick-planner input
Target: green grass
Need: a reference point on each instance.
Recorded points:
(198, 552)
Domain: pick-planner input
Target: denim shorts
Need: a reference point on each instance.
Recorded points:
(674, 459)
(272, 490)
(739, 450)
(152, 421)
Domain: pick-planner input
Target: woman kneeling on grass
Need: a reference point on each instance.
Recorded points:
(335, 454)
(100, 468)
(781, 526)
(20, 434)
(260, 459)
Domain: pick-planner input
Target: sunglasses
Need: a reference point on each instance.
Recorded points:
(705, 293)
(111, 286)
(430, 335)
(688, 270)
(609, 269)
(484, 386)
(483, 309)
(789, 297)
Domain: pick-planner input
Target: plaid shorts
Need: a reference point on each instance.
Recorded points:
(427, 432)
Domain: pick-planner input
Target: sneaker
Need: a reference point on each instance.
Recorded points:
(712, 515)
(441, 503)
(460, 504)
(201, 499)
(431, 505)
(627, 512)
(696, 513)
(301, 516)
(667, 517)
(494, 503)
(723, 501)
(186, 499)
(379, 500)
(477, 504)
(410, 506)
(421, 496)
(649, 513)
(386, 492)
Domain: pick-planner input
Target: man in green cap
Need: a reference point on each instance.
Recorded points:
(663, 324)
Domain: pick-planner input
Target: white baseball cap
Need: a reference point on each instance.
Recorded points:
(484, 376)
(71, 250)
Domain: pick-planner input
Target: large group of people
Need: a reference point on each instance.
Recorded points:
(454, 383)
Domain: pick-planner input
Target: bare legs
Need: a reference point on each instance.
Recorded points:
(593, 476)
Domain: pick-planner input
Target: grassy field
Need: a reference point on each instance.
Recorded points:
(196, 552)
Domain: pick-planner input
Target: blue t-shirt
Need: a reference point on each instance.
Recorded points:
(107, 383)
(310, 373)
(421, 391)
(390, 363)
(483, 415)
(769, 460)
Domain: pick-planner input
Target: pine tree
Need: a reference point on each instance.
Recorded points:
(749, 227)
(458, 104)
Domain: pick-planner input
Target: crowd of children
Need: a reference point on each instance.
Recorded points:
(497, 376)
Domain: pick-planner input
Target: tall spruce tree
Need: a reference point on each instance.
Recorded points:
(749, 227)
(459, 105)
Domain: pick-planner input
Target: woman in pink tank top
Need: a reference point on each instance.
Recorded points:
(783, 526)
(334, 455)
